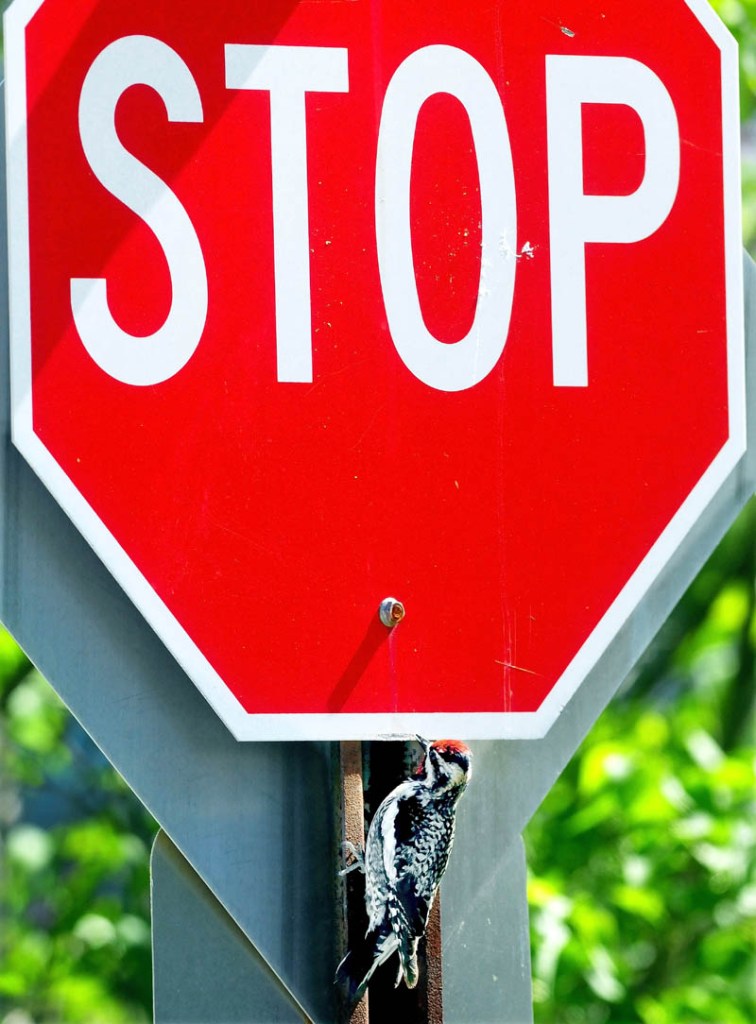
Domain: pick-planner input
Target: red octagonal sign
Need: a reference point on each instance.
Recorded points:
(316, 304)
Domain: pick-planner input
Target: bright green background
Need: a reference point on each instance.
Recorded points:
(642, 887)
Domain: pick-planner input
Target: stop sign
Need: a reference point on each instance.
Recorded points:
(316, 305)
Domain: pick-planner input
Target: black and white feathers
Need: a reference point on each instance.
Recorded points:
(406, 853)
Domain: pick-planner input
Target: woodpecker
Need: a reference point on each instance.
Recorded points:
(406, 853)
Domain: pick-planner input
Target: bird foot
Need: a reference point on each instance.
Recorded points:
(358, 864)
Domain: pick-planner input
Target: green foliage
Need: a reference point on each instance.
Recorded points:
(749, 205)
(740, 18)
(74, 903)
(643, 874)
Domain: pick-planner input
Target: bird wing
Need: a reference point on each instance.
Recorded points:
(422, 846)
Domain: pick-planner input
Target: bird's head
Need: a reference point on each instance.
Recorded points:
(447, 764)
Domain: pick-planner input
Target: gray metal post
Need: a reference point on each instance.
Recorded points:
(205, 968)
(255, 820)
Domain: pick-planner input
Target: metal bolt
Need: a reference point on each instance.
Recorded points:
(391, 611)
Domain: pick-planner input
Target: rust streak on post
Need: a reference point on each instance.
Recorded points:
(433, 966)
(353, 831)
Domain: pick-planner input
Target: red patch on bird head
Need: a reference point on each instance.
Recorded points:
(447, 746)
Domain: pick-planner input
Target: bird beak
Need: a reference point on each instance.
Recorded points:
(425, 744)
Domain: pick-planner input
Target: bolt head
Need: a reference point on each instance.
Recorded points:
(391, 611)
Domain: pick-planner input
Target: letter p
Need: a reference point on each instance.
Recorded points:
(576, 218)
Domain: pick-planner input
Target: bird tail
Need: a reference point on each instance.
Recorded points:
(410, 969)
(362, 961)
(407, 941)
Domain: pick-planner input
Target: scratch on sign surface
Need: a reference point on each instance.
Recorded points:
(517, 668)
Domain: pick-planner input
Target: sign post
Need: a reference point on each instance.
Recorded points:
(280, 351)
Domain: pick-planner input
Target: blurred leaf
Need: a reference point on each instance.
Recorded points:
(30, 847)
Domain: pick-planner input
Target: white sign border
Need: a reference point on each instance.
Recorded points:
(242, 724)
